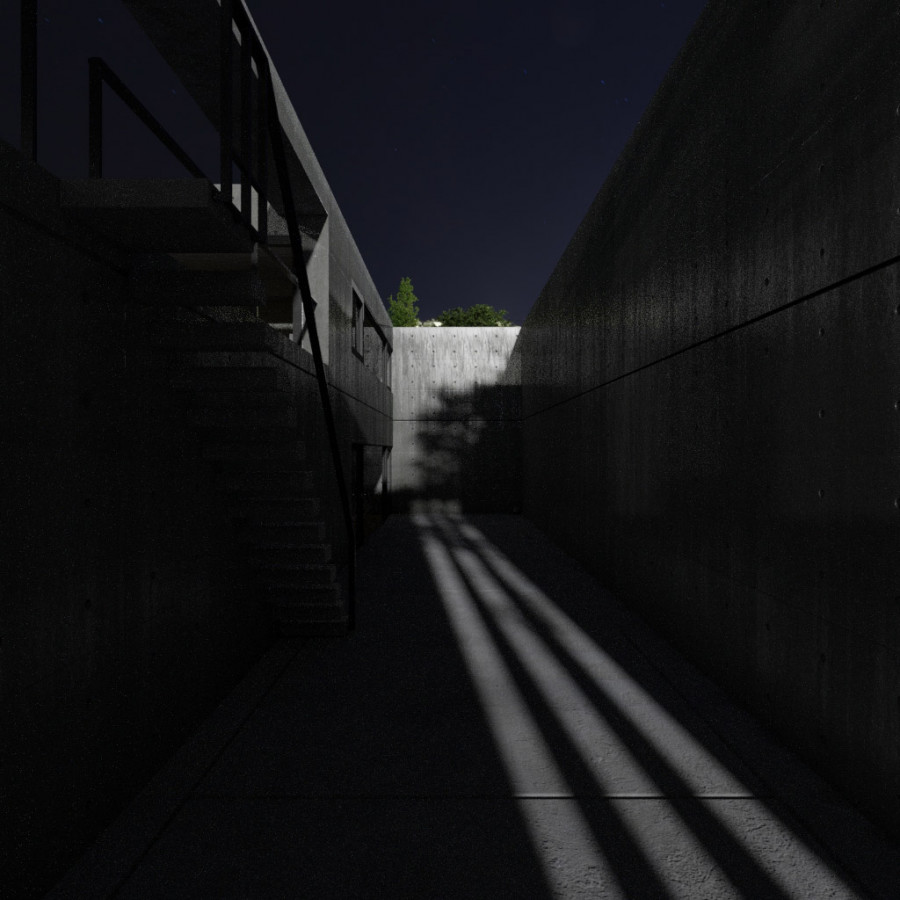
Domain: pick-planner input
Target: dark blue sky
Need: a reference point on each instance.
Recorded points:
(463, 140)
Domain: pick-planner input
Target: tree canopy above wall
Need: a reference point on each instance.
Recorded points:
(404, 312)
(477, 315)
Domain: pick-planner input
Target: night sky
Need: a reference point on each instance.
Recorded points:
(464, 141)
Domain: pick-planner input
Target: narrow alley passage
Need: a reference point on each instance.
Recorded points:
(497, 727)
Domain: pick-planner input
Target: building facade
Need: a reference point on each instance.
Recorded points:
(171, 502)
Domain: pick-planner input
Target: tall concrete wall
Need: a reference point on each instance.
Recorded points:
(456, 419)
(710, 377)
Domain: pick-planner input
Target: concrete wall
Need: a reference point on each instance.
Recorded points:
(710, 377)
(126, 610)
(365, 398)
(456, 412)
(362, 401)
(335, 265)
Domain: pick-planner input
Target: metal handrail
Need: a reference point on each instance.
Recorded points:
(98, 73)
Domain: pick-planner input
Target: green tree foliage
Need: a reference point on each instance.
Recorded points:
(402, 308)
(480, 314)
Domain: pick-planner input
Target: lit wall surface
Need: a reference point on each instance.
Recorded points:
(710, 377)
(456, 419)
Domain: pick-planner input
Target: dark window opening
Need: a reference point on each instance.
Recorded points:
(371, 488)
(357, 325)
(377, 352)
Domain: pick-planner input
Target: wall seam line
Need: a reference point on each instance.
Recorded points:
(714, 337)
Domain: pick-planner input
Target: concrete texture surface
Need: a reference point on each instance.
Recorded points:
(499, 726)
(336, 268)
(710, 377)
(127, 612)
(456, 418)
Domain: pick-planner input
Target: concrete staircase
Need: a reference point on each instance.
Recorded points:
(220, 366)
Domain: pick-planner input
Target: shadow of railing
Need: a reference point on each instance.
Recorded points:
(623, 788)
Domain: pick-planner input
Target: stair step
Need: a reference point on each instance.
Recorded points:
(178, 361)
(156, 214)
(266, 438)
(213, 398)
(278, 551)
(268, 482)
(234, 379)
(254, 454)
(215, 336)
(286, 464)
(319, 601)
(249, 408)
(187, 287)
(262, 532)
(291, 575)
(264, 508)
(241, 418)
(290, 627)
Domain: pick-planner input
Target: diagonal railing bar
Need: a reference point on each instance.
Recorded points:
(98, 73)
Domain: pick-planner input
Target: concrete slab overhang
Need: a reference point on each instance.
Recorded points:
(274, 264)
(185, 218)
(156, 215)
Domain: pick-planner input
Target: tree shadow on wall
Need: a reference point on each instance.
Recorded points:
(464, 454)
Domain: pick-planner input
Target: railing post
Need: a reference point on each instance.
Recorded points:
(226, 60)
(262, 157)
(246, 127)
(28, 91)
(95, 118)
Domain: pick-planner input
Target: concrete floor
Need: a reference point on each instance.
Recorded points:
(496, 727)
